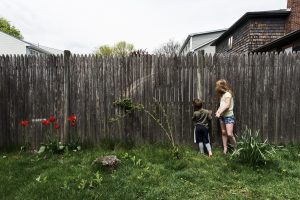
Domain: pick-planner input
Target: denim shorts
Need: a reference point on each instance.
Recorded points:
(227, 120)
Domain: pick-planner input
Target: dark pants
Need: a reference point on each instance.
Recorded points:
(201, 133)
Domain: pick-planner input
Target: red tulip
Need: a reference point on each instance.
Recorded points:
(72, 118)
(24, 123)
(45, 122)
(52, 119)
(56, 126)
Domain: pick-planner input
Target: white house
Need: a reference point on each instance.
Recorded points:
(200, 42)
(12, 45)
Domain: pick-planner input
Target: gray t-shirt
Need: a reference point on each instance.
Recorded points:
(201, 117)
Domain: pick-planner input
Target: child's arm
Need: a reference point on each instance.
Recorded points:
(210, 114)
(194, 116)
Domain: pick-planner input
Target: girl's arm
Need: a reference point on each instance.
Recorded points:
(224, 107)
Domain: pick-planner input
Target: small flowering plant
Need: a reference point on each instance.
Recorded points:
(52, 127)
(26, 146)
(72, 119)
(24, 123)
(54, 145)
(74, 142)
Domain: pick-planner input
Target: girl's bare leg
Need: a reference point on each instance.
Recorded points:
(229, 130)
(224, 137)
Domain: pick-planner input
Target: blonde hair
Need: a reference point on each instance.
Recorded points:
(222, 86)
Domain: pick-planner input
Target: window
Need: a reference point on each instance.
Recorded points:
(31, 51)
(230, 40)
(296, 48)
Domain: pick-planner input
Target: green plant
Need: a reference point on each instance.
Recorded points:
(164, 123)
(91, 183)
(26, 146)
(252, 150)
(128, 106)
(74, 145)
(53, 144)
(135, 161)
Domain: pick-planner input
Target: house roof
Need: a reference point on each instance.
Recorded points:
(197, 34)
(39, 48)
(282, 41)
(51, 50)
(249, 15)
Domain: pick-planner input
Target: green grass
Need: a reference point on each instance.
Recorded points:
(148, 172)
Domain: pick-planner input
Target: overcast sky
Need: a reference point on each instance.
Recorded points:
(82, 25)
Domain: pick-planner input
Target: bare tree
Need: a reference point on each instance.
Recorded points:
(169, 48)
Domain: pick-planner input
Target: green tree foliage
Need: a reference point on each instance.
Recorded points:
(6, 27)
(104, 50)
(121, 48)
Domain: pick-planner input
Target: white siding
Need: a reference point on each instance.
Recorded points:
(199, 40)
(207, 49)
(11, 45)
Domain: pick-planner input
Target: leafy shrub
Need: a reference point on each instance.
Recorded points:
(128, 105)
(252, 150)
(56, 147)
(163, 121)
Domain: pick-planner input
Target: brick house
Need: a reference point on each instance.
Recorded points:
(257, 29)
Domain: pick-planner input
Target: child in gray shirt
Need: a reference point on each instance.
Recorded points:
(201, 119)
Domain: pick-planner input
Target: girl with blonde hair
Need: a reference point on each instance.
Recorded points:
(225, 113)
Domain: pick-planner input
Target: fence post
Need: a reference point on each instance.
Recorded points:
(67, 55)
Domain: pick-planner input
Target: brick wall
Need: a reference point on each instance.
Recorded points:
(240, 41)
(265, 30)
(253, 34)
(293, 22)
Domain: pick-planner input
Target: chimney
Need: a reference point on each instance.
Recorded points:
(293, 22)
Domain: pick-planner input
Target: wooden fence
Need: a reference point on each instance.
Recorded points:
(266, 92)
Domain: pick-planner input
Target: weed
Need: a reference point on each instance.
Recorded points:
(252, 150)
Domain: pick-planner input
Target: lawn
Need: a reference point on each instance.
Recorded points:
(147, 172)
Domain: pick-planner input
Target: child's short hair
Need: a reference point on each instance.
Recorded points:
(197, 103)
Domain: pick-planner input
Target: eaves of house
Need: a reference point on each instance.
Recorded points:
(250, 15)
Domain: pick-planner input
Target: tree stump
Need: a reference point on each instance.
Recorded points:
(111, 162)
